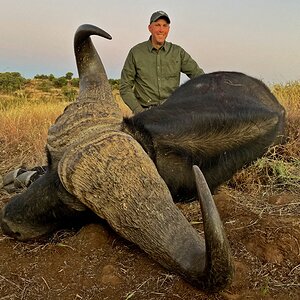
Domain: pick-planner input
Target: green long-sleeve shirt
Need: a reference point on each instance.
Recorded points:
(149, 75)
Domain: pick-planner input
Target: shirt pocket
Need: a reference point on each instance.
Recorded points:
(146, 68)
(171, 68)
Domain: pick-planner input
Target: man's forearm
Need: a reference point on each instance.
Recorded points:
(131, 101)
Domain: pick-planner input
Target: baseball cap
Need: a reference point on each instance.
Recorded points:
(159, 15)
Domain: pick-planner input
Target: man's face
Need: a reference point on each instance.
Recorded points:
(159, 31)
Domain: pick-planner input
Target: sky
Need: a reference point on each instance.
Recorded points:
(258, 37)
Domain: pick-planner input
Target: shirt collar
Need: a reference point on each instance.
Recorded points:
(164, 47)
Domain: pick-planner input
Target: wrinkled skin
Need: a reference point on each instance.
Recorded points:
(129, 172)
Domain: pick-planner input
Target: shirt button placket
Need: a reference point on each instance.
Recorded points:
(158, 63)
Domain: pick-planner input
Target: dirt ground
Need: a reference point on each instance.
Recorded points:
(94, 263)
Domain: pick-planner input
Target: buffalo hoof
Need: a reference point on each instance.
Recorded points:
(21, 178)
(28, 177)
(25, 179)
(10, 177)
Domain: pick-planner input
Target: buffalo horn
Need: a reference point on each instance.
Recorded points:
(92, 74)
(218, 254)
(95, 107)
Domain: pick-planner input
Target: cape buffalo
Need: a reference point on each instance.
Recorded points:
(129, 172)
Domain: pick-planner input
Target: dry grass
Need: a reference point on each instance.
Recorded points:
(23, 130)
(25, 117)
(289, 97)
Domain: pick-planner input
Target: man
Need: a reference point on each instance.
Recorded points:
(152, 69)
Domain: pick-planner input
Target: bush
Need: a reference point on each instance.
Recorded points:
(69, 93)
(75, 82)
(41, 76)
(45, 86)
(11, 81)
(60, 82)
(115, 83)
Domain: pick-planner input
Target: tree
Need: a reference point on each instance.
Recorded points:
(69, 75)
(11, 81)
(60, 82)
